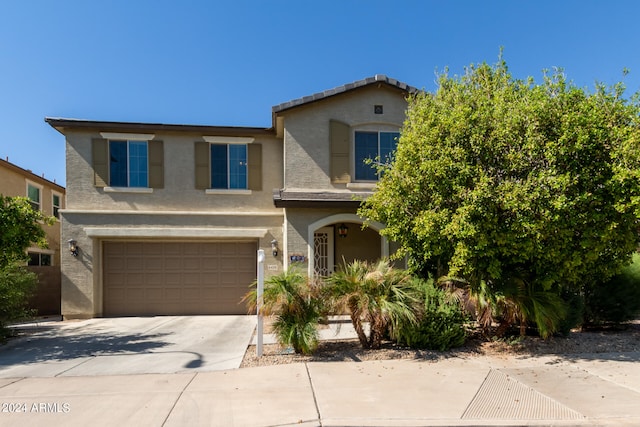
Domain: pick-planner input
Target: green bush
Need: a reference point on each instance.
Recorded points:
(440, 322)
(294, 301)
(374, 293)
(574, 303)
(16, 286)
(615, 301)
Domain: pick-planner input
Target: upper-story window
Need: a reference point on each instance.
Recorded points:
(229, 166)
(128, 164)
(34, 193)
(372, 147)
(355, 151)
(55, 202)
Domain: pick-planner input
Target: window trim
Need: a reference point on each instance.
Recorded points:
(53, 205)
(40, 253)
(238, 191)
(40, 192)
(202, 164)
(128, 188)
(115, 136)
(141, 190)
(229, 190)
(238, 140)
(100, 161)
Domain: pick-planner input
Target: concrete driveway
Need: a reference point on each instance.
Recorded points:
(128, 345)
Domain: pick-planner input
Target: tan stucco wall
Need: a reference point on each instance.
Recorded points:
(13, 182)
(298, 226)
(81, 275)
(306, 134)
(179, 192)
(359, 244)
(301, 160)
(177, 211)
(308, 154)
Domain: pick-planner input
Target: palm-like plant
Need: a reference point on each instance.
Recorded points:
(377, 294)
(294, 302)
(512, 301)
(528, 303)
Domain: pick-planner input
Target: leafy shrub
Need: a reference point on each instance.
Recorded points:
(373, 293)
(513, 302)
(440, 322)
(293, 300)
(16, 286)
(617, 300)
(574, 303)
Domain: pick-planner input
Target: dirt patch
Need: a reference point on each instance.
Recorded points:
(601, 341)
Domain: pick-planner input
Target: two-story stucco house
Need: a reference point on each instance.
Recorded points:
(168, 218)
(48, 197)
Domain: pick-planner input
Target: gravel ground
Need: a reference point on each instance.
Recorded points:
(602, 341)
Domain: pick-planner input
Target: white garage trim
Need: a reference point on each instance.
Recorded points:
(172, 213)
(256, 233)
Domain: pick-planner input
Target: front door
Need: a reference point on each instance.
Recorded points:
(323, 261)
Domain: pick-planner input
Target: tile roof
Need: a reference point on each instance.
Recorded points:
(378, 78)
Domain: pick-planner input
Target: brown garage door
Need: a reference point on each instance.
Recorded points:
(176, 278)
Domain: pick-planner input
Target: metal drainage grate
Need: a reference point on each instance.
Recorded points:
(502, 397)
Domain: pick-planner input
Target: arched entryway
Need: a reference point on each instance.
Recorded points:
(340, 238)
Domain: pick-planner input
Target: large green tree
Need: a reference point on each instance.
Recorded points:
(505, 183)
(20, 227)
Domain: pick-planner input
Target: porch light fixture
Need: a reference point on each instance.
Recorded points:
(73, 247)
(343, 230)
(274, 247)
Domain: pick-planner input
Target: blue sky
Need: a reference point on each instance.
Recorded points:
(228, 62)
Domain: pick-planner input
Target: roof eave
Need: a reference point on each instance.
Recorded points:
(322, 199)
(62, 124)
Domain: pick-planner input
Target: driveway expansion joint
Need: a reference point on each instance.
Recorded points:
(313, 393)
(186, 386)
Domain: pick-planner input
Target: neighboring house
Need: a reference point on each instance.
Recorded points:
(168, 218)
(49, 198)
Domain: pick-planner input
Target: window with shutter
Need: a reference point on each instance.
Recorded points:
(128, 163)
(224, 166)
(339, 135)
(372, 149)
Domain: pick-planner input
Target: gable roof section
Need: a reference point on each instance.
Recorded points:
(377, 79)
(62, 124)
(31, 176)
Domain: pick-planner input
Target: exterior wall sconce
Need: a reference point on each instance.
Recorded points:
(73, 247)
(343, 230)
(274, 247)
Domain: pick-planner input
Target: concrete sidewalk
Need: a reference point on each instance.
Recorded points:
(588, 389)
